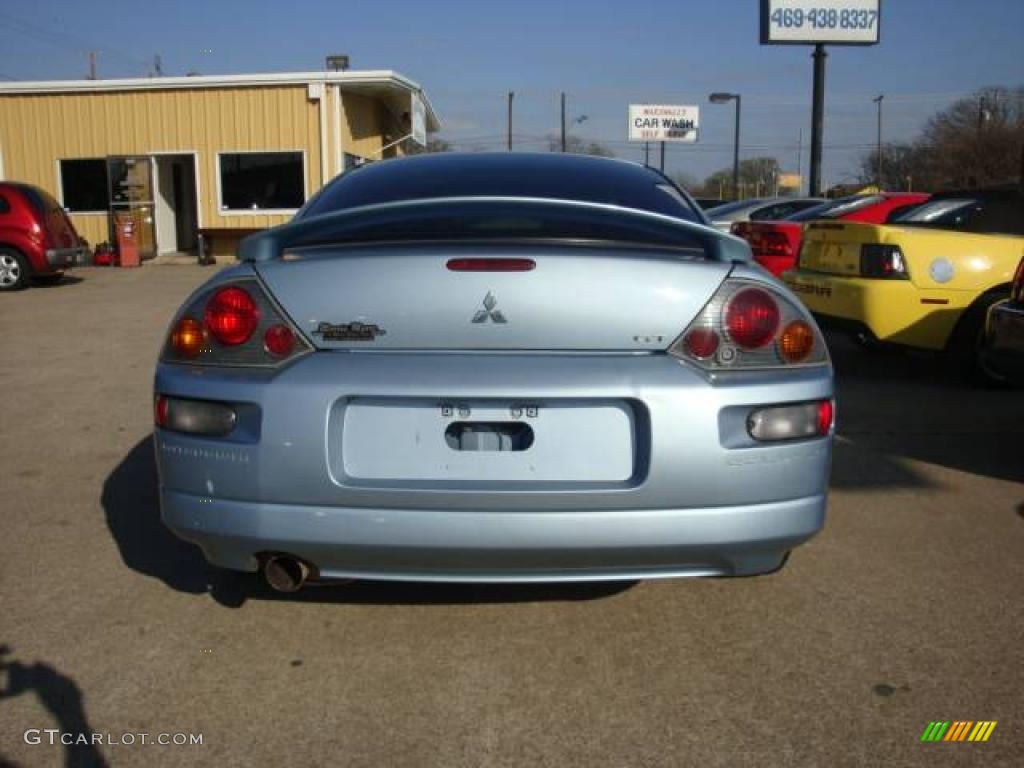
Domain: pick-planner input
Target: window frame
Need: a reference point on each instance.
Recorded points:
(222, 211)
(60, 187)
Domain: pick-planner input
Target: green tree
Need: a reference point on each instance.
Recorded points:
(578, 146)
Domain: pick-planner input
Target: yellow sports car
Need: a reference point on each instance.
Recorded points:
(925, 279)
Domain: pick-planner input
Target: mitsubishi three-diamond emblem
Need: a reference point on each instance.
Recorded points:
(489, 311)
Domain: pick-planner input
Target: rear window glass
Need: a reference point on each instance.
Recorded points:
(40, 201)
(836, 208)
(506, 176)
(1001, 215)
(501, 222)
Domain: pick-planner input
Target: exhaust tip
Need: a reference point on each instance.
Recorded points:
(285, 573)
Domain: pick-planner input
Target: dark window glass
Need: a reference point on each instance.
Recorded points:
(254, 181)
(85, 185)
(40, 201)
(984, 214)
(551, 176)
(836, 208)
(497, 221)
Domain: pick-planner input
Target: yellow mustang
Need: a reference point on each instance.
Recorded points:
(925, 279)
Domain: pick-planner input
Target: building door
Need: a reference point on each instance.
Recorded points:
(131, 199)
(175, 203)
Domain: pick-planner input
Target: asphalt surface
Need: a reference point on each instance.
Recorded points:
(906, 609)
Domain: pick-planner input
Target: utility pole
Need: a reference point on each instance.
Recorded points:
(662, 165)
(800, 160)
(563, 122)
(511, 95)
(878, 174)
(817, 117)
(647, 153)
(92, 64)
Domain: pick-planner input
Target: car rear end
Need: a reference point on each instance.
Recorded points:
(56, 244)
(774, 244)
(494, 408)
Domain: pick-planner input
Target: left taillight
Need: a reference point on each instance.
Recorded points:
(233, 324)
(749, 325)
(882, 261)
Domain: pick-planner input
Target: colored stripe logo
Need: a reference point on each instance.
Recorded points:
(958, 730)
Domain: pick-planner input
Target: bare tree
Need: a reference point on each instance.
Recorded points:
(977, 140)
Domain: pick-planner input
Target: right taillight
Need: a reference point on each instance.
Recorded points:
(881, 261)
(240, 326)
(749, 324)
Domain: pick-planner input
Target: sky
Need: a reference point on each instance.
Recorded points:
(604, 55)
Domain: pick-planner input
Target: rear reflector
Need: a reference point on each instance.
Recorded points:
(791, 422)
(194, 417)
(491, 265)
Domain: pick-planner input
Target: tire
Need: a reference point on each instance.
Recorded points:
(964, 352)
(14, 271)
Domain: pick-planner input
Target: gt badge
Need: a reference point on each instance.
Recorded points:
(349, 331)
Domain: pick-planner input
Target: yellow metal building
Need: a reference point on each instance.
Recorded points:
(214, 157)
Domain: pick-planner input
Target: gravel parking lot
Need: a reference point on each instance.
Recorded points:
(905, 610)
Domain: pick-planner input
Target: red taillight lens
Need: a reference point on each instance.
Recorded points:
(279, 340)
(232, 316)
(769, 243)
(825, 413)
(491, 265)
(701, 342)
(752, 318)
(160, 408)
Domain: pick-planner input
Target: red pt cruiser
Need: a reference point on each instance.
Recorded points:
(37, 239)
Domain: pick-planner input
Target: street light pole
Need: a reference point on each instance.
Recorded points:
(722, 98)
(511, 95)
(878, 174)
(563, 121)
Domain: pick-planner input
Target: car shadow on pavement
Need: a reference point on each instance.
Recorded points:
(62, 698)
(132, 509)
(894, 404)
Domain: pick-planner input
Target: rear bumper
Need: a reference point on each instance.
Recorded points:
(697, 501)
(65, 258)
(1004, 350)
(895, 311)
(492, 546)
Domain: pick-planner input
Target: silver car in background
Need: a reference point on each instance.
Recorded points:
(758, 209)
(494, 368)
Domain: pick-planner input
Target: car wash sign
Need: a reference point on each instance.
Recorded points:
(663, 122)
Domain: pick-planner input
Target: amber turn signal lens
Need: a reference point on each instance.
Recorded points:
(796, 341)
(188, 337)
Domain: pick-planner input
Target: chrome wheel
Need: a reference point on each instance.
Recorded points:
(10, 270)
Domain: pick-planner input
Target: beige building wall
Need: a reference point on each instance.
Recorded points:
(37, 130)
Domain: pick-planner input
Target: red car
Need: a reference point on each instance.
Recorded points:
(37, 239)
(776, 243)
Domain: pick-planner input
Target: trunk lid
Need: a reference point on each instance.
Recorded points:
(834, 247)
(577, 297)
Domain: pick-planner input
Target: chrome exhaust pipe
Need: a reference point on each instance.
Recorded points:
(285, 573)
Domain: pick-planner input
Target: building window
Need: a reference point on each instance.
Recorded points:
(261, 181)
(84, 185)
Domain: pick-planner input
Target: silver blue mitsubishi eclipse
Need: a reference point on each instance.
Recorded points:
(494, 368)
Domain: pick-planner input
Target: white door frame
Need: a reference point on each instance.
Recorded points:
(195, 173)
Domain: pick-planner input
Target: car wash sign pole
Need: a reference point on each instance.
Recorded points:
(817, 23)
(663, 122)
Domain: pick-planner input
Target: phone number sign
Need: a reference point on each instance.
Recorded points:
(837, 22)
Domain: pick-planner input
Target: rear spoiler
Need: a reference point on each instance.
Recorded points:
(344, 225)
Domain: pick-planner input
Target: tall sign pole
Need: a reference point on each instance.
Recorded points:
(817, 23)
(817, 117)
